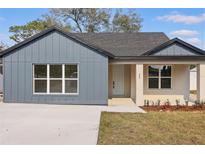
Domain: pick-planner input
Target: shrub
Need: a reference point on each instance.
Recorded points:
(187, 102)
(177, 102)
(146, 102)
(158, 102)
(167, 103)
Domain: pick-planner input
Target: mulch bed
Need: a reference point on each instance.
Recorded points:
(169, 108)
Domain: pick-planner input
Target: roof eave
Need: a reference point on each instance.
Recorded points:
(194, 49)
(197, 57)
(48, 31)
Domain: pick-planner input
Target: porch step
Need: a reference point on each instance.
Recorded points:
(121, 102)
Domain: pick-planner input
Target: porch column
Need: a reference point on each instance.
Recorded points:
(139, 85)
(201, 82)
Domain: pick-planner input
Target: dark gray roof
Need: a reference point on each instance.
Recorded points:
(124, 44)
(115, 45)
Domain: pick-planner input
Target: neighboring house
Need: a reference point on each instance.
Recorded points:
(193, 79)
(55, 67)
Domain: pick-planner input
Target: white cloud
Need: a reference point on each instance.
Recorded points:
(174, 12)
(194, 41)
(184, 33)
(180, 18)
(189, 36)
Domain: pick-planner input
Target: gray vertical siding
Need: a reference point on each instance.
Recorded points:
(55, 48)
(174, 50)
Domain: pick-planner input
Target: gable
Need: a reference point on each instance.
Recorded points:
(175, 47)
(175, 50)
(54, 48)
(49, 31)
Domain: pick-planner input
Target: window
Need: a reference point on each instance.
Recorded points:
(159, 76)
(56, 79)
(166, 77)
(40, 78)
(71, 78)
(153, 77)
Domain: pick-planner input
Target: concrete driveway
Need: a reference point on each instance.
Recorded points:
(52, 124)
(48, 124)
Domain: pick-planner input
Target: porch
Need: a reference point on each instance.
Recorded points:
(132, 84)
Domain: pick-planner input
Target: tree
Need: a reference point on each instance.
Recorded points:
(23, 32)
(2, 46)
(130, 22)
(100, 20)
(80, 20)
(84, 20)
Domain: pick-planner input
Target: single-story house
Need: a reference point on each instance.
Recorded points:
(56, 67)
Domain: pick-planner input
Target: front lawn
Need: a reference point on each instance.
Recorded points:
(152, 128)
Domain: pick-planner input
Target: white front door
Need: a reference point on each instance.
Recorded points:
(118, 80)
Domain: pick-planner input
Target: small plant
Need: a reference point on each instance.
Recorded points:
(145, 102)
(152, 103)
(203, 102)
(167, 103)
(196, 102)
(187, 102)
(158, 102)
(177, 102)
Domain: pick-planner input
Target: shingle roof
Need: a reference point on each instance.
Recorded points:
(124, 44)
(115, 45)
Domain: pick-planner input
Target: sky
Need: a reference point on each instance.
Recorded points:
(186, 24)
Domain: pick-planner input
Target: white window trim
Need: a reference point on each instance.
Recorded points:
(48, 79)
(159, 78)
(78, 75)
(63, 80)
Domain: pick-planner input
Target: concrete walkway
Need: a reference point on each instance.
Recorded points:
(52, 124)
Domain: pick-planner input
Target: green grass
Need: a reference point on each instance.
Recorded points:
(152, 128)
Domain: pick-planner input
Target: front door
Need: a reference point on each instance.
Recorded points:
(118, 80)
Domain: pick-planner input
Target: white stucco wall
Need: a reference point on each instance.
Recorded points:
(201, 82)
(193, 77)
(179, 90)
